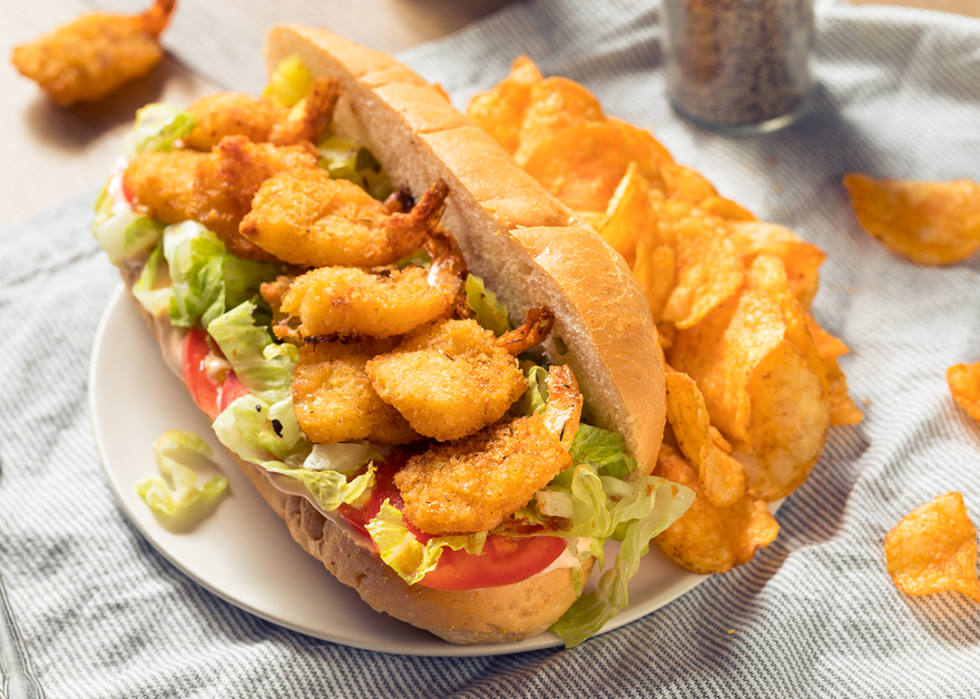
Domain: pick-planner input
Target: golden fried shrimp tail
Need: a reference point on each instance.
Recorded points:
(399, 201)
(317, 115)
(155, 20)
(538, 323)
(564, 408)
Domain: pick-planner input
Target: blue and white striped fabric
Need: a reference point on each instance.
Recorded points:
(815, 614)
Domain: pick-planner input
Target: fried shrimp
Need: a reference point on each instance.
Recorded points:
(448, 379)
(306, 218)
(334, 400)
(163, 183)
(214, 189)
(473, 484)
(90, 57)
(538, 323)
(259, 119)
(345, 302)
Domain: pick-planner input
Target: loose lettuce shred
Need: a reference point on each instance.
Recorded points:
(490, 313)
(208, 280)
(174, 492)
(153, 296)
(345, 160)
(290, 82)
(156, 129)
(405, 554)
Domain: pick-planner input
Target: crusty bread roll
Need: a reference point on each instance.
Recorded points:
(532, 251)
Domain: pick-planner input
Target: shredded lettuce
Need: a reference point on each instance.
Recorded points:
(156, 129)
(174, 492)
(536, 396)
(264, 367)
(153, 296)
(208, 280)
(490, 313)
(345, 160)
(604, 449)
(124, 234)
(635, 513)
(290, 82)
(345, 458)
(405, 554)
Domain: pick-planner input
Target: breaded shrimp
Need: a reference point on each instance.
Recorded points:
(474, 484)
(227, 181)
(334, 401)
(306, 218)
(448, 379)
(259, 119)
(90, 57)
(538, 323)
(214, 189)
(334, 302)
(163, 183)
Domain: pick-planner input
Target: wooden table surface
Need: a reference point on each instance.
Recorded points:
(48, 153)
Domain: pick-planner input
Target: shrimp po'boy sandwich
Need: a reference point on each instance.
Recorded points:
(447, 385)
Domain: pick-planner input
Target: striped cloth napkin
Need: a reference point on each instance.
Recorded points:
(815, 614)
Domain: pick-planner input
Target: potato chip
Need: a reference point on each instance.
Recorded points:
(725, 208)
(596, 219)
(708, 267)
(964, 384)
(684, 184)
(722, 477)
(760, 391)
(581, 165)
(788, 428)
(843, 410)
(654, 270)
(934, 549)
(629, 214)
(645, 150)
(500, 110)
(555, 104)
(931, 223)
(710, 539)
(801, 260)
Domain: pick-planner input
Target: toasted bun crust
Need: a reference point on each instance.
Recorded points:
(532, 251)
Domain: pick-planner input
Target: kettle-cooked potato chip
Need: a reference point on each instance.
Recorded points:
(964, 384)
(500, 110)
(629, 215)
(801, 260)
(934, 549)
(843, 410)
(931, 223)
(710, 539)
(722, 478)
(555, 104)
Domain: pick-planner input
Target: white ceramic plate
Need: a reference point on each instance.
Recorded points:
(243, 552)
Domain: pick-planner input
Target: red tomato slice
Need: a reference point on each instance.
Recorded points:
(210, 396)
(504, 561)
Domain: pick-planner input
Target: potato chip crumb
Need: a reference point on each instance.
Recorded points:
(731, 631)
(934, 549)
(866, 402)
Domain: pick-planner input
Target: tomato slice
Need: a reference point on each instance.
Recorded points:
(504, 560)
(210, 396)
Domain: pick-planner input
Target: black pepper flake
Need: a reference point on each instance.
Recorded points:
(277, 428)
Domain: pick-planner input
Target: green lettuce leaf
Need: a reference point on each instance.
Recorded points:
(344, 159)
(536, 396)
(154, 298)
(346, 458)
(490, 313)
(639, 511)
(405, 554)
(264, 367)
(174, 492)
(124, 234)
(604, 449)
(157, 126)
(207, 280)
(290, 82)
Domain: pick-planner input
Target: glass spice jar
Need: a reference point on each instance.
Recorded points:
(741, 67)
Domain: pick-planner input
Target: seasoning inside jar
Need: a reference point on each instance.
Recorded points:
(739, 66)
